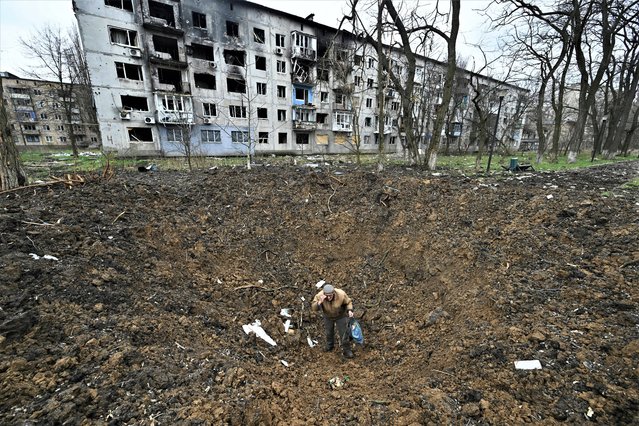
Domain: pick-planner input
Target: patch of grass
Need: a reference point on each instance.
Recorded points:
(633, 184)
(42, 164)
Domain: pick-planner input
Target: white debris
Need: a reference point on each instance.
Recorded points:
(312, 343)
(284, 363)
(590, 413)
(549, 196)
(320, 283)
(256, 328)
(285, 312)
(46, 256)
(533, 364)
(287, 325)
(303, 300)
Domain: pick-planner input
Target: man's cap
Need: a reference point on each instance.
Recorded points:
(328, 289)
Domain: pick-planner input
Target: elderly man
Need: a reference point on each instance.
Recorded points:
(337, 307)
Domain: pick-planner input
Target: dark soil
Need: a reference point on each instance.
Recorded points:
(454, 278)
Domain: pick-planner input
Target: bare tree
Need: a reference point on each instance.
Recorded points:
(59, 60)
(12, 173)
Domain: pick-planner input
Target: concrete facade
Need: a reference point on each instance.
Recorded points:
(232, 76)
(36, 115)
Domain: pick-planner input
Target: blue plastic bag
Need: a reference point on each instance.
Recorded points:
(356, 331)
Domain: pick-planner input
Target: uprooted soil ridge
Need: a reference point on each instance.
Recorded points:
(123, 301)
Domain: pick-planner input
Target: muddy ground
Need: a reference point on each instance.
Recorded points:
(138, 319)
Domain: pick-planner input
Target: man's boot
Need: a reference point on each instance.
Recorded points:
(328, 347)
(348, 353)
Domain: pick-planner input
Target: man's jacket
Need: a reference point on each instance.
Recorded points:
(336, 309)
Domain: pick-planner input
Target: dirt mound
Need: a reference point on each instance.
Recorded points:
(135, 314)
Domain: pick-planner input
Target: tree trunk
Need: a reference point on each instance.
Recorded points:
(433, 146)
(12, 173)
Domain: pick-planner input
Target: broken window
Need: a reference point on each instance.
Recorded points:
(357, 60)
(357, 80)
(341, 55)
(172, 103)
(174, 135)
(262, 113)
(234, 57)
(368, 122)
(140, 134)
(301, 138)
(260, 63)
(322, 74)
(339, 98)
(281, 115)
(167, 47)
(120, 4)
(235, 85)
(395, 106)
(302, 94)
(134, 103)
(128, 71)
(369, 102)
(259, 36)
(122, 36)
(211, 136)
(261, 88)
(232, 29)
(237, 111)
(280, 40)
(321, 117)
(205, 81)
(209, 109)
(240, 137)
(162, 11)
(202, 51)
(281, 91)
(262, 137)
(282, 138)
(199, 20)
(371, 63)
(281, 67)
(323, 96)
(369, 83)
(171, 77)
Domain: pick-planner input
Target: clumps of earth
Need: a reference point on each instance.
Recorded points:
(123, 301)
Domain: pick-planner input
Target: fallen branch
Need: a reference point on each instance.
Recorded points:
(68, 180)
(118, 217)
(259, 287)
(443, 372)
(328, 204)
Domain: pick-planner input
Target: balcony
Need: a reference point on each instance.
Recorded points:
(304, 53)
(163, 58)
(175, 117)
(162, 25)
(20, 96)
(305, 126)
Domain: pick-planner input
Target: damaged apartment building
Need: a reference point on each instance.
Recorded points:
(232, 76)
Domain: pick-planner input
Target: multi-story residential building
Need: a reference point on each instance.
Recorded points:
(232, 76)
(36, 114)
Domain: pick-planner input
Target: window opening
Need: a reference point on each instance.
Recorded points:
(162, 11)
(171, 77)
(235, 85)
(199, 20)
(202, 51)
(134, 103)
(205, 81)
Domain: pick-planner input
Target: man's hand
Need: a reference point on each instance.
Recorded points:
(350, 314)
(322, 298)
